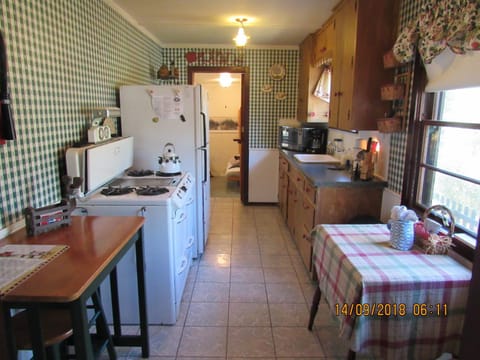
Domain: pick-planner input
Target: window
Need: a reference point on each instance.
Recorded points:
(446, 149)
(449, 173)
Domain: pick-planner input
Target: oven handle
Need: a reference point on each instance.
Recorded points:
(180, 216)
(183, 266)
(190, 242)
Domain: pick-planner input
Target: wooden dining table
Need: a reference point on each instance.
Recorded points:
(389, 303)
(93, 245)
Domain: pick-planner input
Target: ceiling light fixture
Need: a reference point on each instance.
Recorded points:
(241, 38)
(225, 80)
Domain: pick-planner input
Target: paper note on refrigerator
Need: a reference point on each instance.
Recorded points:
(167, 107)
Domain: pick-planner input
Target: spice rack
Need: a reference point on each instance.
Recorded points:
(396, 92)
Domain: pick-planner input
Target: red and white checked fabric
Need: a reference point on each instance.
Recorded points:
(390, 303)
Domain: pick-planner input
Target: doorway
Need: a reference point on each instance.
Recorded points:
(228, 119)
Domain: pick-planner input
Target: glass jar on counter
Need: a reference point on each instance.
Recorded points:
(330, 148)
(338, 144)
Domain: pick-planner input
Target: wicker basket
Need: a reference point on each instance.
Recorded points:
(392, 91)
(389, 125)
(438, 244)
(402, 234)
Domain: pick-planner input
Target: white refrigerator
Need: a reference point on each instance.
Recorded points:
(155, 115)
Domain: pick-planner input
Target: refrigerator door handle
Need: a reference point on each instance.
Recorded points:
(204, 128)
(204, 150)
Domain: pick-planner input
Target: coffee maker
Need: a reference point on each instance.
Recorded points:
(317, 140)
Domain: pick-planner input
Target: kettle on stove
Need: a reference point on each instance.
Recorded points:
(169, 162)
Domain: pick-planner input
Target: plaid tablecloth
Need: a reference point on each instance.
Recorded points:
(390, 303)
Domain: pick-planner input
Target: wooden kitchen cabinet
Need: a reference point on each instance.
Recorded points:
(305, 58)
(307, 205)
(309, 107)
(304, 224)
(364, 31)
(283, 186)
(324, 43)
(292, 206)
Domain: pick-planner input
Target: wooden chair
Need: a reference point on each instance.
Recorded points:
(56, 326)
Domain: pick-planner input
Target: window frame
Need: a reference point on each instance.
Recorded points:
(422, 109)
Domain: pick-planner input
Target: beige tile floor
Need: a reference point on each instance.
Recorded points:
(247, 297)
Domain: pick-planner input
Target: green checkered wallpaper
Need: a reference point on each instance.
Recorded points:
(265, 109)
(398, 146)
(65, 57)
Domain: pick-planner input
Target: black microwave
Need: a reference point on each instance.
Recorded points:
(307, 139)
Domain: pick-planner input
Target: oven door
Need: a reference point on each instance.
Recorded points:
(182, 253)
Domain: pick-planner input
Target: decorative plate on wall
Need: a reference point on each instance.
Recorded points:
(277, 71)
(266, 88)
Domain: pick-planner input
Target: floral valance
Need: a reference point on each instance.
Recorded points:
(441, 23)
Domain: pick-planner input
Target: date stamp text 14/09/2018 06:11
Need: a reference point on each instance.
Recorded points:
(387, 309)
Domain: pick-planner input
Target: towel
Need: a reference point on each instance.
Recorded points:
(322, 90)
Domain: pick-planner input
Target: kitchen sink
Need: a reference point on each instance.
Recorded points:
(316, 158)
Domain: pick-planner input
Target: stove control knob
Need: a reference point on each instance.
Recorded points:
(183, 188)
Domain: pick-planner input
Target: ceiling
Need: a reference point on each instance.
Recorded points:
(211, 23)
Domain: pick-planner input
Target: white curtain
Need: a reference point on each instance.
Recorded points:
(449, 71)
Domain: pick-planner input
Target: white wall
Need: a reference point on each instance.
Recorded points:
(351, 142)
(263, 175)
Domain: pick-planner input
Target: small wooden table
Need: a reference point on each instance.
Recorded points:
(390, 303)
(96, 245)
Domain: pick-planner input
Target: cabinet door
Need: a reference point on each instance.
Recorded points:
(292, 199)
(330, 39)
(283, 186)
(345, 23)
(304, 77)
(324, 42)
(319, 47)
(304, 224)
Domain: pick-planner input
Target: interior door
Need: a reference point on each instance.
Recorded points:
(242, 139)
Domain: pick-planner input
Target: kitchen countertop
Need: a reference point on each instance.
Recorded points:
(321, 176)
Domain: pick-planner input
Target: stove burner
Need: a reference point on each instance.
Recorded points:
(116, 190)
(159, 173)
(151, 190)
(140, 173)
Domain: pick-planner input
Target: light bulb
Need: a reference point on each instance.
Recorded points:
(225, 79)
(241, 38)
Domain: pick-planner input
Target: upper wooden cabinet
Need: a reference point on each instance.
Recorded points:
(303, 77)
(324, 43)
(309, 107)
(364, 31)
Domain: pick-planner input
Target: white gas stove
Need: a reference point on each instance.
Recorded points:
(145, 190)
(166, 203)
